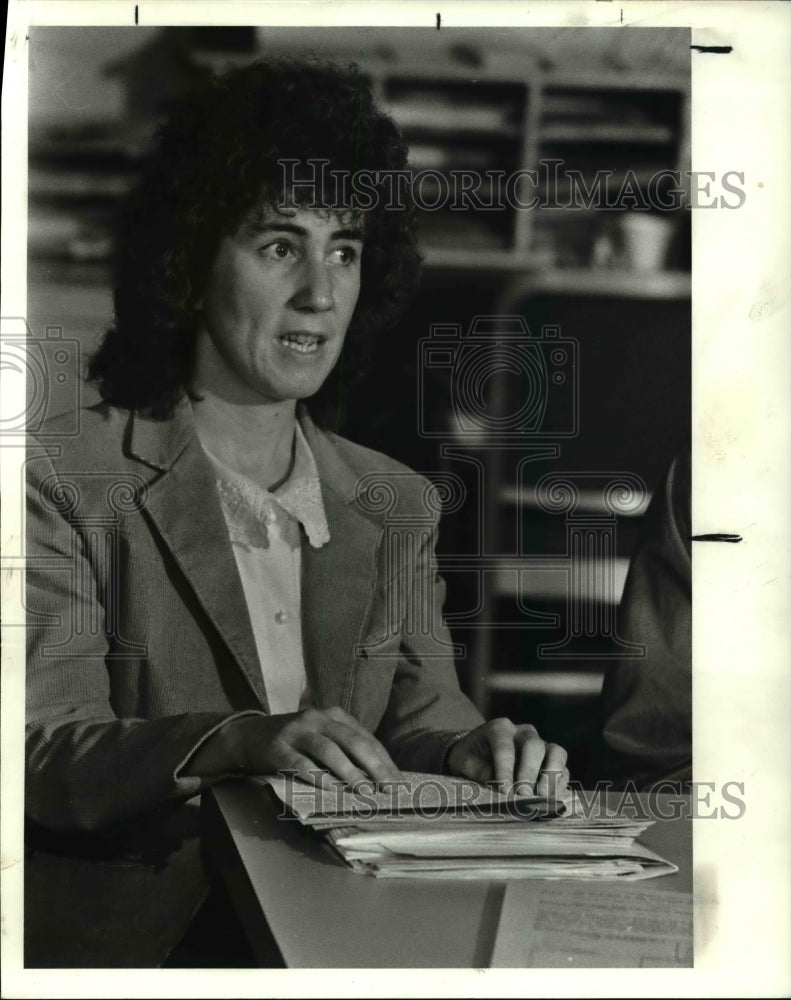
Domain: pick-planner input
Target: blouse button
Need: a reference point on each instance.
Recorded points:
(280, 617)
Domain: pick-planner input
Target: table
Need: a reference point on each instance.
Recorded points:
(283, 881)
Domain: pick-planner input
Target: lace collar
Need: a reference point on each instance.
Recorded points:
(249, 509)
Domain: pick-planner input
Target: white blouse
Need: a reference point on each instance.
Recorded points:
(266, 535)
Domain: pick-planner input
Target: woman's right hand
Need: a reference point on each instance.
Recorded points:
(312, 745)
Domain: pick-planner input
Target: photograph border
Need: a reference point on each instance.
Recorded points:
(741, 104)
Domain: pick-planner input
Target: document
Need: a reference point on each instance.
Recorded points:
(430, 826)
(560, 926)
(431, 795)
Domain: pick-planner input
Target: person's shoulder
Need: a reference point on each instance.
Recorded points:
(678, 498)
(366, 460)
(74, 424)
(381, 485)
(92, 435)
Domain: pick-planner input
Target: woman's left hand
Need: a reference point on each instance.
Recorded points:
(511, 756)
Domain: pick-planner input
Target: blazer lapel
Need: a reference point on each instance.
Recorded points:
(338, 579)
(185, 509)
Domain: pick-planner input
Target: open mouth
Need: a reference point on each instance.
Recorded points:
(302, 343)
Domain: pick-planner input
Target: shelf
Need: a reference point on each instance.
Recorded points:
(117, 147)
(552, 682)
(627, 80)
(83, 277)
(607, 282)
(563, 190)
(486, 260)
(435, 157)
(532, 580)
(452, 120)
(607, 133)
(590, 502)
(67, 185)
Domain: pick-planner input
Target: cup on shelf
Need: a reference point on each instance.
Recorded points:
(646, 239)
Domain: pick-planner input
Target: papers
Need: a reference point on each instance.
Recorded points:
(593, 926)
(432, 796)
(430, 826)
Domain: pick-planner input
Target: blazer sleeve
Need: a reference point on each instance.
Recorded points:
(427, 710)
(85, 767)
(647, 702)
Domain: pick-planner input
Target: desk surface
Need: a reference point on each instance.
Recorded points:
(323, 915)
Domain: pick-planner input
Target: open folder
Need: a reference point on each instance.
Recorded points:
(431, 826)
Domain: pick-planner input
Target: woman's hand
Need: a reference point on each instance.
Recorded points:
(311, 745)
(511, 756)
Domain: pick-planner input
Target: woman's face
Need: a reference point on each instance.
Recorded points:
(280, 295)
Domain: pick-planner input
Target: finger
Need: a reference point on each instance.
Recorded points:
(468, 760)
(474, 767)
(554, 776)
(500, 736)
(326, 752)
(366, 749)
(360, 747)
(297, 765)
(371, 746)
(531, 756)
(553, 784)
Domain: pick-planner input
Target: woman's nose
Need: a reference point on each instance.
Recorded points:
(315, 288)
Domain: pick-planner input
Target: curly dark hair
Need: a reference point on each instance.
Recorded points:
(215, 159)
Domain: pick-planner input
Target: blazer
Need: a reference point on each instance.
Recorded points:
(140, 646)
(646, 703)
(140, 642)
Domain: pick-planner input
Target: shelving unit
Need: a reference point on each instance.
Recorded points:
(75, 182)
(551, 568)
(504, 115)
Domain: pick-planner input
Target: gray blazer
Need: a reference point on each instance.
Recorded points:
(646, 703)
(140, 642)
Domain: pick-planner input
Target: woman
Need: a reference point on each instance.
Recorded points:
(229, 603)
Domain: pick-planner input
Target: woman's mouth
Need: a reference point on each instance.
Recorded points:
(302, 343)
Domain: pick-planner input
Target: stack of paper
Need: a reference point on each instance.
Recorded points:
(436, 827)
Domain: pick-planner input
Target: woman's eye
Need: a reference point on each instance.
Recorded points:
(346, 255)
(278, 250)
